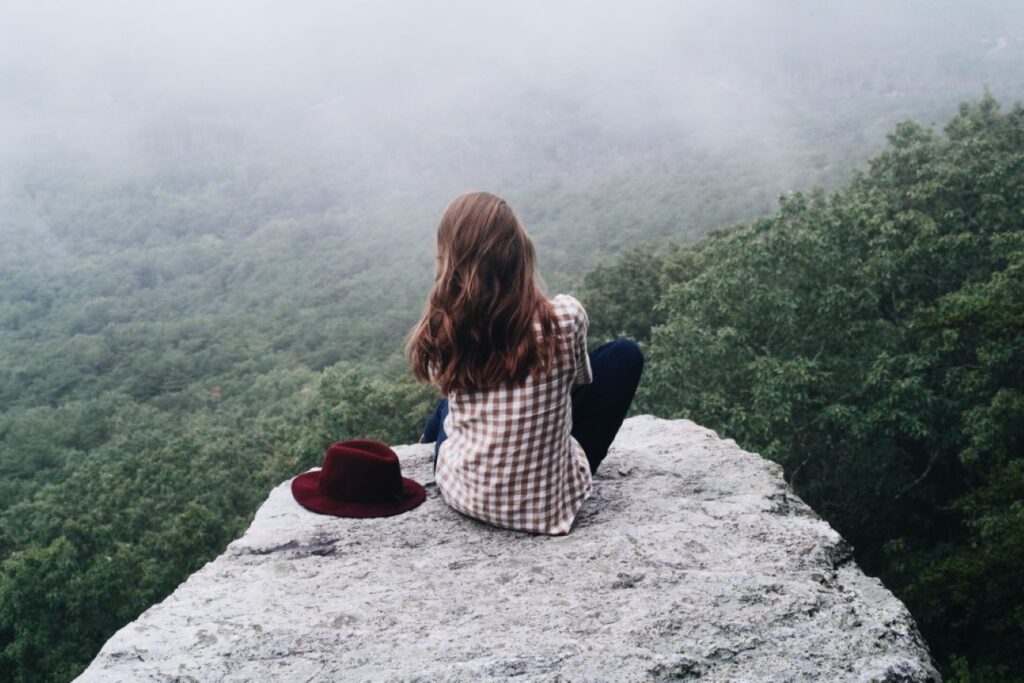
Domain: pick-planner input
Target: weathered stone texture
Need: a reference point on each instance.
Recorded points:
(691, 561)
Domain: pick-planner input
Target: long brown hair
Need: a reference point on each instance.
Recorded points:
(477, 327)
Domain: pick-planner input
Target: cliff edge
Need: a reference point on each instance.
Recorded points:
(692, 560)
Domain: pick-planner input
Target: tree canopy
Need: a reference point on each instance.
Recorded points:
(871, 340)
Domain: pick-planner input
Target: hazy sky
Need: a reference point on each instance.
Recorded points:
(368, 116)
(406, 59)
(112, 80)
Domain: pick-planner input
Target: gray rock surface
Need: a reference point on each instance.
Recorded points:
(691, 561)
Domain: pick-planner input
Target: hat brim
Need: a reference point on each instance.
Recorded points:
(306, 490)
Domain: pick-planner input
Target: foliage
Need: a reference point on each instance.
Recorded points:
(159, 493)
(625, 294)
(871, 341)
(178, 336)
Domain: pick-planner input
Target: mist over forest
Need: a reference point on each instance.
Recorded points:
(217, 226)
(630, 121)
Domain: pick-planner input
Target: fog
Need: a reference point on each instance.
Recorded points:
(218, 222)
(424, 99)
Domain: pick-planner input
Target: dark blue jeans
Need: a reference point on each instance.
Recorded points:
(598, 408)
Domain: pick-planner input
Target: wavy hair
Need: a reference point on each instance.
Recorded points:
(476, 330)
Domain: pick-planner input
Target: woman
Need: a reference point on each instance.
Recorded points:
(529, 414)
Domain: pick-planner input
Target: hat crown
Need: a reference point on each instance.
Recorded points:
(361, 471)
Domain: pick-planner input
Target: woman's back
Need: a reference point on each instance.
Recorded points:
(509, 458)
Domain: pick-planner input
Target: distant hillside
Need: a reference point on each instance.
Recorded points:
(871, 340)
(215, 230)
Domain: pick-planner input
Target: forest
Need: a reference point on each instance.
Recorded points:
(812, 221)
(869, 338)
(871, 341)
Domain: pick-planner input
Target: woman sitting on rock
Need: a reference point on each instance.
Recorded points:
(529, 414)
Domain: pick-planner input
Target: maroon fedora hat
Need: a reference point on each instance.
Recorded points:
(359, 478)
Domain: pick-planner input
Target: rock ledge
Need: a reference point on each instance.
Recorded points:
(691, 561)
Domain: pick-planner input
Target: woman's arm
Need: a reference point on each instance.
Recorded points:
(581, 322)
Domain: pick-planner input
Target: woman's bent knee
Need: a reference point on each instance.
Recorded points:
(627, 351)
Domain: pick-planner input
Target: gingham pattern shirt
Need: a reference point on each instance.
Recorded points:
(509, 459)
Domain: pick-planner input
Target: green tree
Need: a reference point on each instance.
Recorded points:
(871, 340)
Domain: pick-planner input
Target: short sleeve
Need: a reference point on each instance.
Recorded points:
(580, 324)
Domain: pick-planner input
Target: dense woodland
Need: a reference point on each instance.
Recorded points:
(871, 340)
(867, 338)
(196, 300)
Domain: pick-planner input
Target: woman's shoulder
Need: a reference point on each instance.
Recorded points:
(568, 308)
(567, 303)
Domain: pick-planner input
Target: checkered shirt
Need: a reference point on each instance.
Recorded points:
(509, 458)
